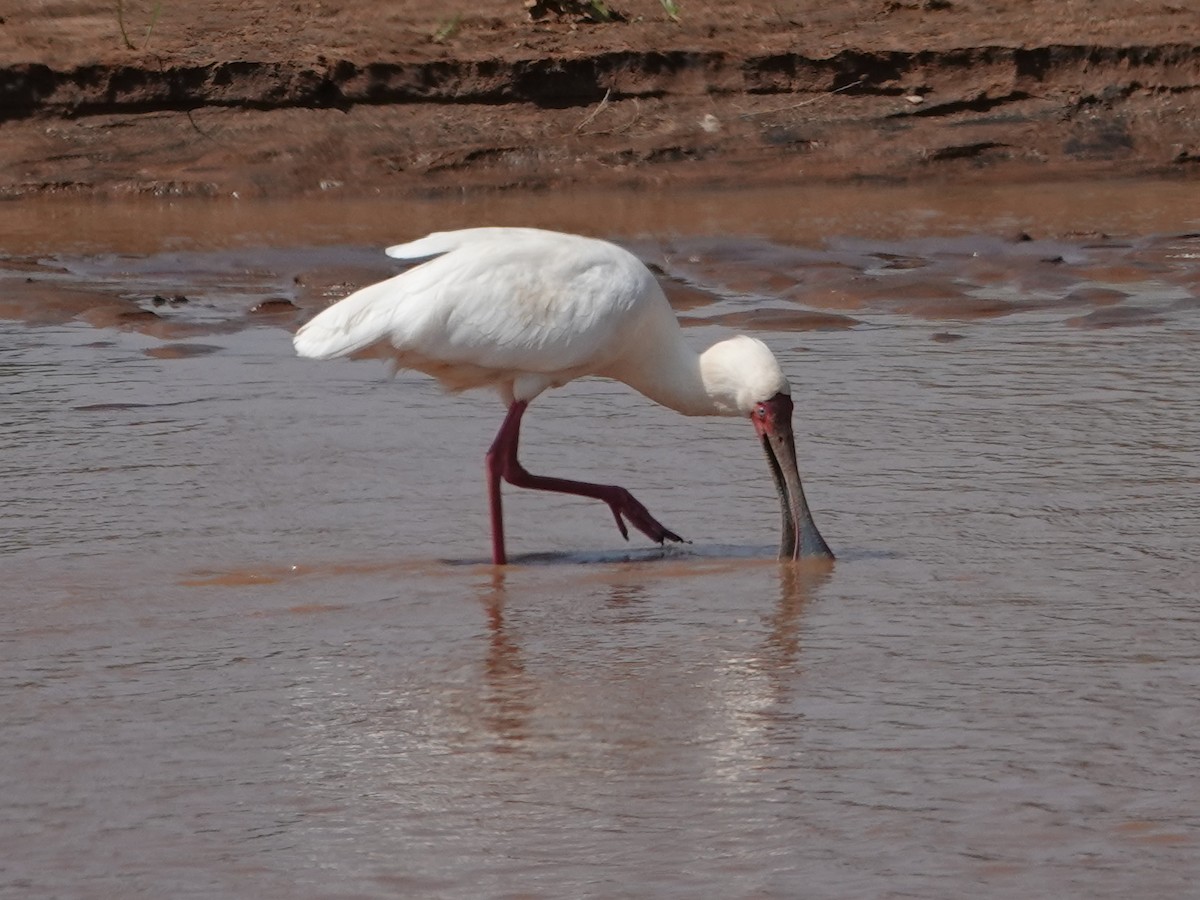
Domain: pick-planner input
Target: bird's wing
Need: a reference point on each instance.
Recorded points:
(353, 323)
(444, 241)
(502, 300)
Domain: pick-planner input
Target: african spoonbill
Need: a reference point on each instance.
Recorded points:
(522, 310)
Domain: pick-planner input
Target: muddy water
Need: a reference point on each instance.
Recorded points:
(251, 646)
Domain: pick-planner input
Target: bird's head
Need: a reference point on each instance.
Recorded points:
(743, 378)
(740, 372)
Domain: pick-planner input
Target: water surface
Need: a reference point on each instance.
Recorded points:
(252, 645)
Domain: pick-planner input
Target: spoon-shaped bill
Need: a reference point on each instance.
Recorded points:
(800, 539)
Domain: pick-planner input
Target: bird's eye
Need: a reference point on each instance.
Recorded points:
(761, 411)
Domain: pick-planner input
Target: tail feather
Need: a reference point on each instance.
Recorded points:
(355, 323)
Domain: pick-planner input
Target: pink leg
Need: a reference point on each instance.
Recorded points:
(502, 463)
(508, 434)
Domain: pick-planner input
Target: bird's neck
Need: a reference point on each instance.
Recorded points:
(672, 374)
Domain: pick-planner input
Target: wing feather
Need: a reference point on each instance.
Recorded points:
(444, 241)
(493, 300)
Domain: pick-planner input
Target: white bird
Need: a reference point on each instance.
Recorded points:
(522, 310)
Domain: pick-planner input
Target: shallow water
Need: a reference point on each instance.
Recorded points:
(252, 646)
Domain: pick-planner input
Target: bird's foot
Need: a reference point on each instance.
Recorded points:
(624, 504)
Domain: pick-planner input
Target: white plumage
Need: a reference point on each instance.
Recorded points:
(495, 306)
(523, 310)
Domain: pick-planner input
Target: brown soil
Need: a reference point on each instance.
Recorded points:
(260, 98)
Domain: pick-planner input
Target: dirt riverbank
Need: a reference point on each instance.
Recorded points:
(267, 99)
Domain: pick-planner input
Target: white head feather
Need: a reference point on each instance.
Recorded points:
(739, 373)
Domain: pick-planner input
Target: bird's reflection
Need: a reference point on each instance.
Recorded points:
(509, 692)
(798, 583)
